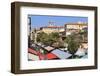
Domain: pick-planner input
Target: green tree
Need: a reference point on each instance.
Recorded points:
(42, 37)
(73, 42)
(83, 34)
(73, 47)
(53, 38)
(47, 39)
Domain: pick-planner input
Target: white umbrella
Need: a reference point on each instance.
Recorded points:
(85, 56)
(49, 48)
(80, 52)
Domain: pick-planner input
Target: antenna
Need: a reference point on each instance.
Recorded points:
(51, 23)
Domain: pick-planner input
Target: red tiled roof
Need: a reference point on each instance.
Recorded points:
(51, 56)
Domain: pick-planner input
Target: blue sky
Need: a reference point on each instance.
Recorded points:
(43, 20)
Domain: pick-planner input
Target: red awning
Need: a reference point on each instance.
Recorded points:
(41, 56)
(32, 51)
(51, 56)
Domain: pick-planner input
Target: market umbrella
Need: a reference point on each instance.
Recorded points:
(61, 54)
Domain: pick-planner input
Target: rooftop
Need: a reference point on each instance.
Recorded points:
(76, 23)
(53, 27)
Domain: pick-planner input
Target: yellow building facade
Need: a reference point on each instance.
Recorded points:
(74, 27)
(50, 29)
(77, 26)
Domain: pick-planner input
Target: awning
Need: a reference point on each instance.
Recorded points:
(33, 57)
(80, 52)
(51, 56)
(48, 48)
(61, 54)
(85, 56)
(32, 51)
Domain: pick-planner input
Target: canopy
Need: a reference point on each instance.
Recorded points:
(51, 56)
(61, 54)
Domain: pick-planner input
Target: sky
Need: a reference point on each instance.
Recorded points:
(38, 21)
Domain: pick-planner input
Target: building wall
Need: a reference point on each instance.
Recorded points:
(70, 28)
(50, 30)
(75, 26)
